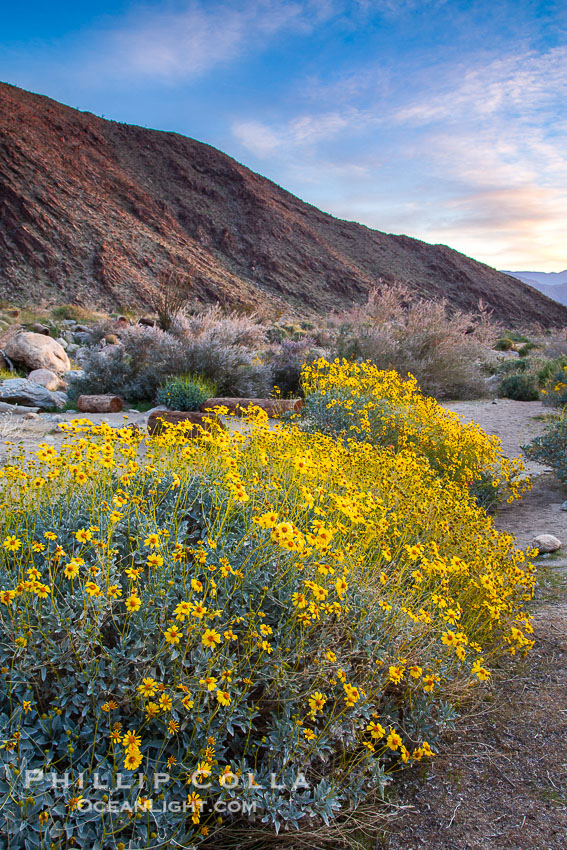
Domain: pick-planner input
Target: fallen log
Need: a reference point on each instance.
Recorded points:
(160, 419)
(99, 403)
(272, 406)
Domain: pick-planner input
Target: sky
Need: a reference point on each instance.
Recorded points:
(445, 120)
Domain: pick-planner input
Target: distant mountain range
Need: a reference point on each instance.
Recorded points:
(552, 284)
(92, 210)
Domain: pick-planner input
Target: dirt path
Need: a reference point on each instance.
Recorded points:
(500, 782)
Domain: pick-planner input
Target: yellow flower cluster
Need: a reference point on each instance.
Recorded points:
(325, 577)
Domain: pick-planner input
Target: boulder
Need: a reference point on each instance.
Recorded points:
(46, 378)
(60, 399)
(159, 419)
(28, 394)
(62, 342)
(545, 543)
(271, 406)
(36, 351)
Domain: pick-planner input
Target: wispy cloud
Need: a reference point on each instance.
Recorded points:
(301, 131)
(180, 44)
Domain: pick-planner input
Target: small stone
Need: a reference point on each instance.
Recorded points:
(38, 328)
(564, 506)
(546, 543)
(31, 415)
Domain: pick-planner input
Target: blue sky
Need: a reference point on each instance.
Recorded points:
(442, 119)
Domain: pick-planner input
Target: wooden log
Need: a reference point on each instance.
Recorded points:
(99, 403)
(160, 419)
(272, 406)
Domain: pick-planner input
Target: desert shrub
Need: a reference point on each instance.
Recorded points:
(442, 350)
(551, 447)
(134, 369)
(185, 393)
(169, 295)
(519, 387)
(357, 401)
(554, 378)
(146, 357)
(277, 608)
(217, 327)
(527, 348)
(234, 369)
(507, 367)
(548, 368)
(287, 362)
(503, 344)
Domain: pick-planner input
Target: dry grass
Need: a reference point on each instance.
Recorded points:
(444, 350)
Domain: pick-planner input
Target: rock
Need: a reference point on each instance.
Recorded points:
(123, 320)
(37, 351)
(492, 384)
(4, 363)
(564, 506)
(60, 399)
(74, 374)
(62, 342)
(545, 543)
(28, 394)
(81, 338)
(83, 328)
(272, 406)
(31, 415)
(99, 403)
(194, 421)
(156, 409)
(111, 339)
(147, 321)
(16, 409)
(46, 378)
(38, 328)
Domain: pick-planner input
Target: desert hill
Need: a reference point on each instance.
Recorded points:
(91, 210)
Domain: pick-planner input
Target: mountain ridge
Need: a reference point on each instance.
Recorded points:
(552, 284)
(91, 210)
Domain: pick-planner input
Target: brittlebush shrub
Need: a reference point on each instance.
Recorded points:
(550, 448)
(360, 402)
(554, 391)
(284, 615)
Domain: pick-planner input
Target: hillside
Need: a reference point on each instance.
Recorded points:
(91, 210)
